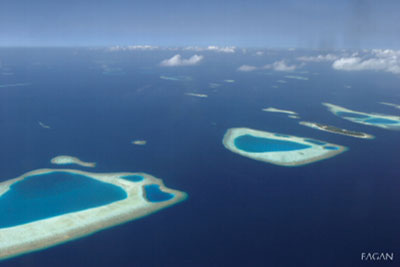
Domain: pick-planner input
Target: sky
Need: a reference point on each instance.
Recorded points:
(312, 24)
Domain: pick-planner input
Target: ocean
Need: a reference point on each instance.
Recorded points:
(239, 211)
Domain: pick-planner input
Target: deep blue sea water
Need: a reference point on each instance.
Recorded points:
(240, 212)
(351, 115)
(42, 196)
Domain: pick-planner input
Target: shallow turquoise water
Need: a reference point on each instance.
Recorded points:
(331, 147)
(380, 121)
(42, 196)
(315, 142)
(133, 178)
(254, 144)
(351, 115)
(154, 194)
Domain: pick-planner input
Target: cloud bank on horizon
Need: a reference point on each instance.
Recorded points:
(224, 49)
(319, 58)
(280, 65)
(378, 60)
(177, 60)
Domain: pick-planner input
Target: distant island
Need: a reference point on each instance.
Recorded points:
(65, 160)
(271, 109)
(67, 204)
(336, 130)
(388, 122)
(280, 149)
(44, 126)
(390, 104)
(197, 95)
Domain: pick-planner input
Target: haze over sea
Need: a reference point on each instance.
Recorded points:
(239, 211)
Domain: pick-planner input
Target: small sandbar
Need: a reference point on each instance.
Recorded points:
(66, 160)
(271, 109)
(67, 204)
(388, 122)
(278, 149)
(336, 130)
(297, 77)
(44, 126)
(176, 78)
(139, 142)
(294, 117)
(197, 95)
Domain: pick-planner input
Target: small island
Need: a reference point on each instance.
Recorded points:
(336, 130)
(388, 122)
(278, 149)
(66, 160)
(295, 117)
(296, 77)
(197, 95)
(271, 109)
(44, 126)
(67, 204)
(139, 142)
(390, 104)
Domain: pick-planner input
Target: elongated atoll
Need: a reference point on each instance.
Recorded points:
(278, 149)
(336, 130)
(60, 200)
(388, 122)
(65, 160)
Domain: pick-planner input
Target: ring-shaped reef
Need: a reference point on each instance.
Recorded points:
(47, 207)
(279, 149)
(388, 122)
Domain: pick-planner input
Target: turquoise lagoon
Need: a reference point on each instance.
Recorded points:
(55, 193)
(133, 178)
(255, 144)
(153, 193)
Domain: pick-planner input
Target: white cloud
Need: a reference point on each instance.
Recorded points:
(177, 60)
(246, 68)
(225, 49)
(260, 53)
(378, 60)
(133, 47)
(319, 58)
(280, 66)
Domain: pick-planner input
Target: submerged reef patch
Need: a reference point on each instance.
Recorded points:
(66, 160)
